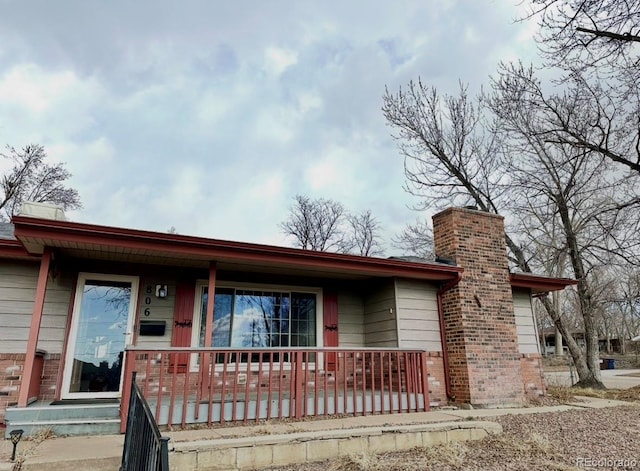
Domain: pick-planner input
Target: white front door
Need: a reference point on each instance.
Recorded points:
(101, 327)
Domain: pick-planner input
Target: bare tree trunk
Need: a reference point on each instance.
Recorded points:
(559, 349)
(594, 378)
(588, 369)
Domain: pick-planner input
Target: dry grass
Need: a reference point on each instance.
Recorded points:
(562, 393)
(40, 435)
(534, 444)
(31, 443)
(568, 394)
(451, 455)
(358, 462)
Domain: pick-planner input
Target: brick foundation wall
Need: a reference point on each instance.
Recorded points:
(11, 366)
(482, 341)
(532, 375)
(50, 375)
(437, 387)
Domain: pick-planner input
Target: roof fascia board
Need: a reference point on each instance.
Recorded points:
(213, 249)
(540, 283)
(13, 249)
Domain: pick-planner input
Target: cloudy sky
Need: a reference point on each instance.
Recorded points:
(210, 116)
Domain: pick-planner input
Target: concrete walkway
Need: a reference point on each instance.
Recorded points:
(614, 379)
(257, 446)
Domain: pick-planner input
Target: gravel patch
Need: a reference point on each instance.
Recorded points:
(572, 440)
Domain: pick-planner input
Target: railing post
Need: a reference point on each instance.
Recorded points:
(164, 453)
(126, 406)
(298, 385)
(129, 367)
(425, 382)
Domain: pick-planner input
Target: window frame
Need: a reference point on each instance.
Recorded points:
(197, 313)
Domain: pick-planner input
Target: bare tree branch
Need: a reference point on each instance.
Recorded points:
(324, 225)
(31, 179)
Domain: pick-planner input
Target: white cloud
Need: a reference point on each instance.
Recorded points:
(277, 60)
(324, 174)
(210, 118)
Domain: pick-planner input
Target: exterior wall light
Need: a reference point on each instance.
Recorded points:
(15, 435)
(161, 291)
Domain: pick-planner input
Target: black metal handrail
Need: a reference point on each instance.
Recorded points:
(145, 449)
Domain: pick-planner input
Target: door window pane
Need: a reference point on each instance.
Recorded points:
(100, 339)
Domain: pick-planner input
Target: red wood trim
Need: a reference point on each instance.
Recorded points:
(182, 323)
(34, 329)
(129, 368)
(539, 283)
(14, 250)
(210, 304)
(330, 326)
(212, 249)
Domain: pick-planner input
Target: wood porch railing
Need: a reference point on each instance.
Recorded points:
(206, 385)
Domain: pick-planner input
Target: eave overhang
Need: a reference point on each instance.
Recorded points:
(35, 234)
(540, 284)
(13, 249)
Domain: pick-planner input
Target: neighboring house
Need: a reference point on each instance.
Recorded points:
(548, 338)
(289, 332)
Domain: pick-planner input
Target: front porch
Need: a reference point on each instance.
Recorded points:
(214, 386)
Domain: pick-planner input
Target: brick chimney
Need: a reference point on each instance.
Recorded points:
(480, 326)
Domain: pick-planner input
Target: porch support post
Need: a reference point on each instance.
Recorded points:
(208, 329)
(34, 329)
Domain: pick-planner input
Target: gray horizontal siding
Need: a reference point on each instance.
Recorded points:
(18, 282)
(159, 310)
(380, 329)
(350, 319)
(527, 338)
(418, 322)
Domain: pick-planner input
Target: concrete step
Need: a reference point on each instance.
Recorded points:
(48, 412)
(67, 427)
(63, 420)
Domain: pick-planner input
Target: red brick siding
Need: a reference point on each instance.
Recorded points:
(11, 367)
(532, 375)
(50, 375)
(482, 341)
(437, 387)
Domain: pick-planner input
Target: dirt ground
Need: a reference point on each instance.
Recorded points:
(572, 440)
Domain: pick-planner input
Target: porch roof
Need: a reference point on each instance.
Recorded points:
(88, 241)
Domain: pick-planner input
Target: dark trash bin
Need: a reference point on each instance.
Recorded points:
(607, 363)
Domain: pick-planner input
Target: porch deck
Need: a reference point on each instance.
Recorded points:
(348, 403)
(199, 385)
